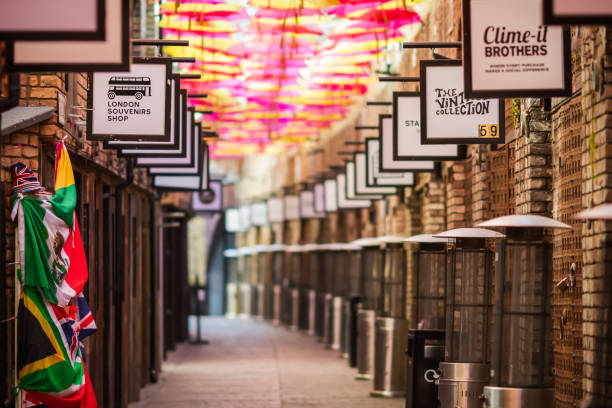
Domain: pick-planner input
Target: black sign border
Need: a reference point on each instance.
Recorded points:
(367, 139)
(366, 175)
(463, 140)
(200, 151)
(396, 156)
(381, 168)
(98, 35)
(101, 137)
(124, 65)
(338, 192)
(581, 19)
(361, 196)
(513, 93)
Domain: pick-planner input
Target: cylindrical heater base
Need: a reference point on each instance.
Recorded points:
(327, 317)
(320, 315)
(276, 304)
(390, 357)
(365, 344)
(231, 300)
(352, 332)
(461, 384)
(335, 323)
(506, 397)
(268, 303)
(303, 319)
(344, 331)
(245, 301)
(312, 311)
(258, 301)
(286, 312)
(295, 309)
(424, 354)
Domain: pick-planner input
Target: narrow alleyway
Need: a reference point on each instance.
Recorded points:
(252, 364)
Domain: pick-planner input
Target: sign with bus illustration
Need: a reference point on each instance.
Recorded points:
(131, 106)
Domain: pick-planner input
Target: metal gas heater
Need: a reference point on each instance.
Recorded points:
(425, 348)
(313, 258)
(244, 277)
(521, 357)
(290, 292)
(371, 268)
(277, 260)
(348, 333)
(231, 285)
(465, 370)
(298, 285)
(258, 258)
(337, 283)
(264, 289)
(391, 325)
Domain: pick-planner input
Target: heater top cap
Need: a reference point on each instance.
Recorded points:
(523, 221)
(367, 242)
(477, 233)
(230, 253)
(425, 239)
(600, 212)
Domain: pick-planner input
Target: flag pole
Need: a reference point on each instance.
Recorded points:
(19, 398)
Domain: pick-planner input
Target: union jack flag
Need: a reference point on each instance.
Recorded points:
(77, 323)
(24, 180)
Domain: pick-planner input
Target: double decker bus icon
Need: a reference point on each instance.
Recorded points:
(129, 86)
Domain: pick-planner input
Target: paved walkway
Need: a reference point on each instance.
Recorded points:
(250, 364)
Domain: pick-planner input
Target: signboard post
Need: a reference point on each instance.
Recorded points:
(509, 53)
(448, 116)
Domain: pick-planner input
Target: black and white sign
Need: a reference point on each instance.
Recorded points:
(374, 177)
(361, 181)
(319, 198)
(132, 105)
(110, 53)
(259, 213)
(343, 202)
(245, 217)
(52, 20)
(350, 187)
(276, 209)
(331, 195)
(232, 220)
(386, 161)
(448, 116)
(307, 205)
(185, 182)
(292, 207)
(577, 12)
(210, 199)
(509, 53)
(407, 132)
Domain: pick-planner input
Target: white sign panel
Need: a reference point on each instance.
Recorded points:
(331, 195)
(232, 220)
(351, 193)
(307, 205)
(276, 209)
(577, 12)
(448, 116)
(259, 213)
(407, 132)
(377, 178)
(131, 105)
(509, 53)
(361, 174)
(387, 163)
(343, 201)
(292, 208)
(209, 200)
(245, 217)
(319, 198)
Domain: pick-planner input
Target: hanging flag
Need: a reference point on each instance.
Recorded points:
(51, 251)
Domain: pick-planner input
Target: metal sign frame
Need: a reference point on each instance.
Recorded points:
(256, 212)
(330, 193)
(361, 178)
(216, 206)
(403, 179)
(163, 137)
(588, 18)
(276, 207)
(386, 162)
(565, 90)
(350, 185)
(308, 211)
(343, 203)
(292, 211)
(319, 198)
(501, 114)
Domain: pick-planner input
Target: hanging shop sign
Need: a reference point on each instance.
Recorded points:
(81, 20)
(245, 217)
(350, 184)
(342, 200)
(307, 205)
(361, 174)
(153, 148)
(200, 166)
(132, 105)
(330, 194)
(185, 182)
(407, 143)
(508, 52)
(448, 116)
(276, 209)
(577, 12)
(374, 177)
(259, 213)
(386, 161)
(79, 53)
(209, 200)
(292, 207)
(232, 220)
(319, 198)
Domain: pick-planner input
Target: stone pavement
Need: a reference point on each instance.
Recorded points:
(251, 364)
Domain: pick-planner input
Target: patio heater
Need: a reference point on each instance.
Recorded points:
(314, 285)
(348, 334)
(391, 325)
(277, 261)
(294, 253)
(231, 279)
(321, 291)
(257, 288)
(425, 348)
(304, 286)
(371, 268)
(264, 288)
(465, 370)
(338, 283)
(521, 357)
(244, 275)
(329, 274)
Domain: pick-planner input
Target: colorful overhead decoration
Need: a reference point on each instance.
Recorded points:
(278, 72)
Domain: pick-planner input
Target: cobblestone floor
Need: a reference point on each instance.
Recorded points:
(250, 364)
